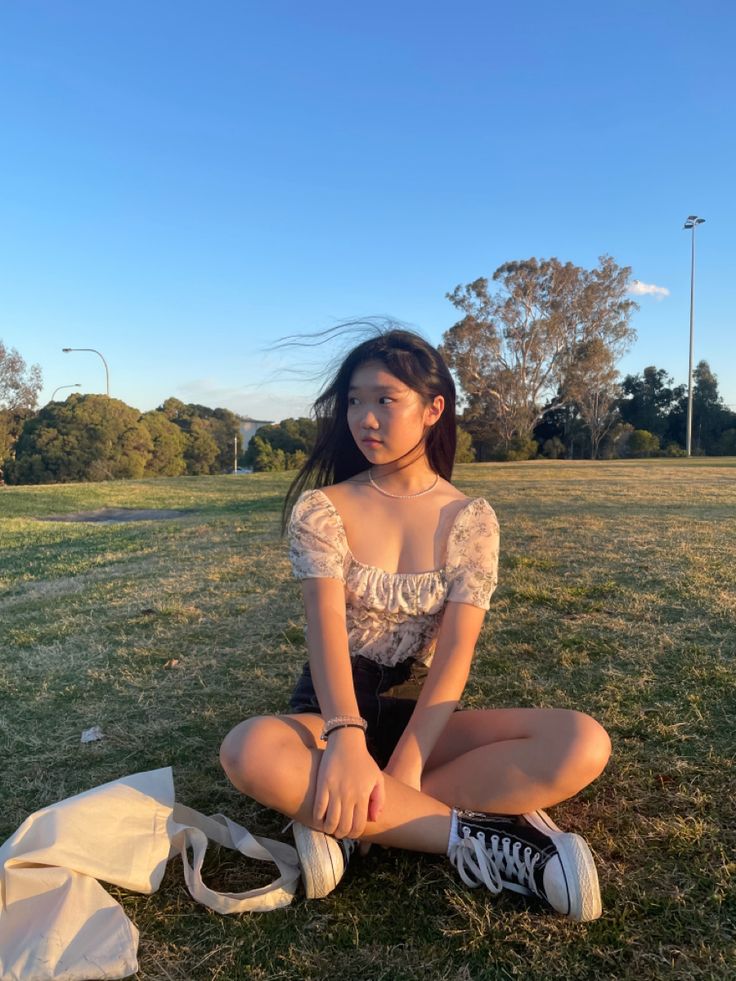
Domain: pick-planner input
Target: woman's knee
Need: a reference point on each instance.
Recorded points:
(592, 747)
(248, 751)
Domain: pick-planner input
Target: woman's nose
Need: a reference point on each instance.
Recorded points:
(368, 420)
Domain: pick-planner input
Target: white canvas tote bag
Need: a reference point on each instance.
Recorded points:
(57, 921)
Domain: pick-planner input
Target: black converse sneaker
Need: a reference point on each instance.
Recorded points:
(323, 859)
(543, 822)
(530, 855)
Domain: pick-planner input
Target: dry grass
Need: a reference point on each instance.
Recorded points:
(617, 596)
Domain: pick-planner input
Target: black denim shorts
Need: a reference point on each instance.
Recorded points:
(386, 698)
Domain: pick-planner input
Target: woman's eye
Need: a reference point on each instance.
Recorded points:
(385, 399)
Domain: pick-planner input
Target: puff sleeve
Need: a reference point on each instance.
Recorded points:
(317, 542)
(472, 555)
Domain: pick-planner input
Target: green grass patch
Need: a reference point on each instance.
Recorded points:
(616, 596)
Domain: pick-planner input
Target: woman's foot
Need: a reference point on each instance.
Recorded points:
(323, 859)
(526, 854)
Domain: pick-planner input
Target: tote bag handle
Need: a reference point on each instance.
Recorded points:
(191, 830)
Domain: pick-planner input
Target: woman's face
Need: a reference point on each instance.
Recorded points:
(385, 416)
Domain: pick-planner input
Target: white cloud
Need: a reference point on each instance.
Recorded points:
(648, 289)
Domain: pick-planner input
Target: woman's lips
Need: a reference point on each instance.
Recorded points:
(371, 442)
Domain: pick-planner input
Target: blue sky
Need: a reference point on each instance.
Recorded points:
(182, 183)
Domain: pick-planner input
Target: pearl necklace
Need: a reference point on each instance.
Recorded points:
(403, 497)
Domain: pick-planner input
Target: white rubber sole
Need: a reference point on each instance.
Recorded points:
(578, 867)
(321, 859)
(582, 877)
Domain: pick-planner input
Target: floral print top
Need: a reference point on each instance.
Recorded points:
(394, 616)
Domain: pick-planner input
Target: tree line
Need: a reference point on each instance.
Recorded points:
(93, 437)
(648, 418)
(286, 445)
(534, 354)
(650, 421)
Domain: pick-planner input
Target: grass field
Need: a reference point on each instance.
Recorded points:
(616, 596)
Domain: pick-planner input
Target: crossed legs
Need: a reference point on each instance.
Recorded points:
(503, 761)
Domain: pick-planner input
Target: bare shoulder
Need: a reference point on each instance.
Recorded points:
(451, 492)
(346, 491)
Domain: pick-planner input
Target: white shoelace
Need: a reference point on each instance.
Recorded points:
(495, 863)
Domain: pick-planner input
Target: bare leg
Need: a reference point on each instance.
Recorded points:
(537, 758)
(275, 760)
(501, 761)
(512, 761)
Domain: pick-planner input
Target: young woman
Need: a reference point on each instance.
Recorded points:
(397, 569)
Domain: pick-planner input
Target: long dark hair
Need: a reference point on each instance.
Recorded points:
(336, 456)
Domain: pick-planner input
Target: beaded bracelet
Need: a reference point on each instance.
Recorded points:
(343, 722)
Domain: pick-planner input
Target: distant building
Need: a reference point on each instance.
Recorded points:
(249, 427)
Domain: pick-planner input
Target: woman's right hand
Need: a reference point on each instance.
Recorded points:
(350, 786)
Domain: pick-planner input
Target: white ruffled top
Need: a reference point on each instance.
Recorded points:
(393, 616)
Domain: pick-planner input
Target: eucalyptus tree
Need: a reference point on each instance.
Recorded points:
(19, 384)
(526, 338)
(591, 383)
(19, 388)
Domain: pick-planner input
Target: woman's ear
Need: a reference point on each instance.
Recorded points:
(433, 412)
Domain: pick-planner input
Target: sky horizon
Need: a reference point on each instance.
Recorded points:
(184, 185)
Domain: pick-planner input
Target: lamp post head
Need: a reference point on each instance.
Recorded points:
(692, 221)
(66, 350)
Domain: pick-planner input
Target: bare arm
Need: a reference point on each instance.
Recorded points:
(461, 625)
(327, 643)
(349, 784)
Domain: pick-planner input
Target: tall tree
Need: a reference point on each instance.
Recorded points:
(647, 400)
(711, 417)
(591, 383)
(19, 384)
(514, 347)
(19, 388)
(11, 426)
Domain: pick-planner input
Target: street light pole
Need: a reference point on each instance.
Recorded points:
(59, 388)
(692, 222)
(66, 350)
